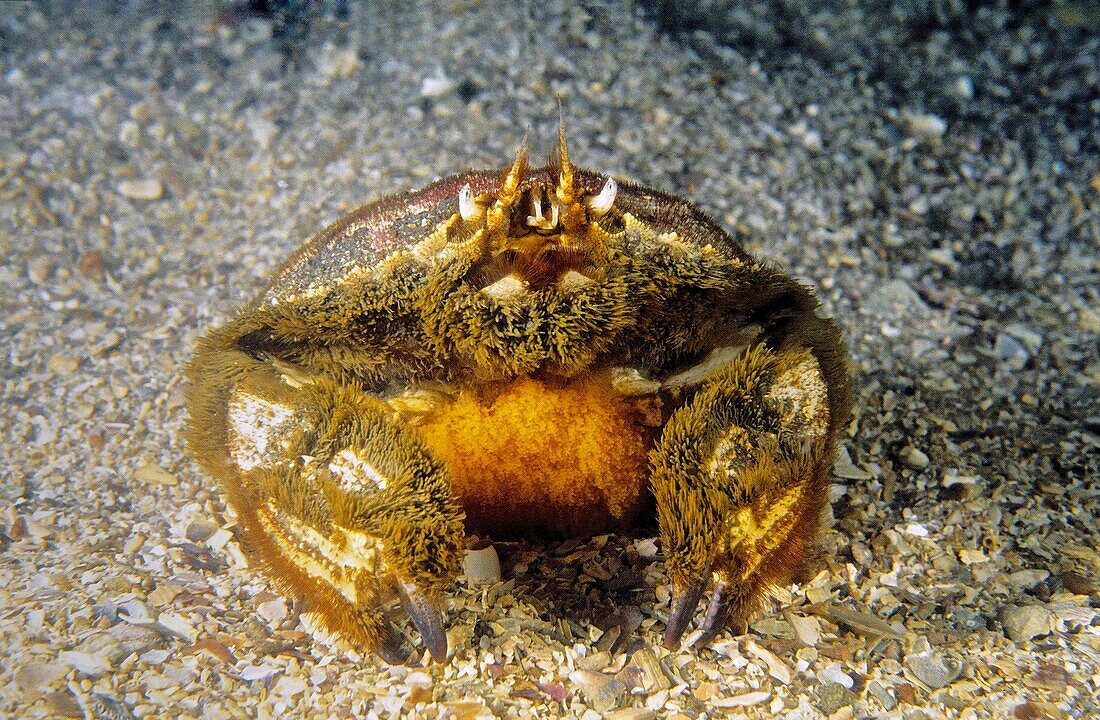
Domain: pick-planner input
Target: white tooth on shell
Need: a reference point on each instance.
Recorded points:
(600, 204)
(536, 219)
(539, 219)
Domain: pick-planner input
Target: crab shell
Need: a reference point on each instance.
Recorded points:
(566, 460)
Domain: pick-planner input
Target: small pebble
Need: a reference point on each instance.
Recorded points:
(1024, 622)
(834, 673)
(288, 686)
(418, 679)
(776, 667)
(1049, 676)
(846, 469)
(646, 548)
(200, 530)
(812, 141)
(832, 696)
(1011, 351)
(927, 126)
(807, 629)
(1031, 339)
(882, 694)
(742, 700)
(154, 475)
(90, 664)
(894, 299)
(263, 130)
(263, 673)
(632, 714)
(174, 625)
(338, 63)
(134, 542)
(164, 593)
(436, 85)
(863, 622)
(916, 530)
(38, 676)
(930, 666)
(62, 364)
(964, 87)
(653, 677)
(1077, 583)
(136, 611)
(1088, 320)
(91, 265)
(1024, 580)
(146, 189)
(482, 566)
(40, 269)
(967, 620)
(915, 458)
(219, 539)
(601, 692)
(950, 479)
(273, 610)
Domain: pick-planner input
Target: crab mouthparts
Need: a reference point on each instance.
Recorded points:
(540, 229)
(536, 268)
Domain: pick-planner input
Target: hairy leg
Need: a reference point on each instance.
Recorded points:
(740, 477)
(339, 502)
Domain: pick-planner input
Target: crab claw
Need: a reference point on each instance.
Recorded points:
(427, 618)
(721, 613)
(717, 618)
(683, 609)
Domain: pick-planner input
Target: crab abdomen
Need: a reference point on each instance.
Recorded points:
(531, 458)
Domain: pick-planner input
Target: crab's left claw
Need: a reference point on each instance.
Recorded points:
(740, 475)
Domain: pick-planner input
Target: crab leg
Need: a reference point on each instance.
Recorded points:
(338, 500)
(740, 477)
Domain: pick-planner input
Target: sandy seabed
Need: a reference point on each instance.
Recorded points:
(932, 170)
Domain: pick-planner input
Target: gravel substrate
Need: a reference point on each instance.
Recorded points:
(933, 170)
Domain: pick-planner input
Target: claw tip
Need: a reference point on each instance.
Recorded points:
(428, 619)
(679, 616)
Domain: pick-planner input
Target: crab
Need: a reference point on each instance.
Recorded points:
(527, 352)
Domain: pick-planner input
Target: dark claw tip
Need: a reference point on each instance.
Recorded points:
(717, 615)
(427, 618)
(679, 616)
